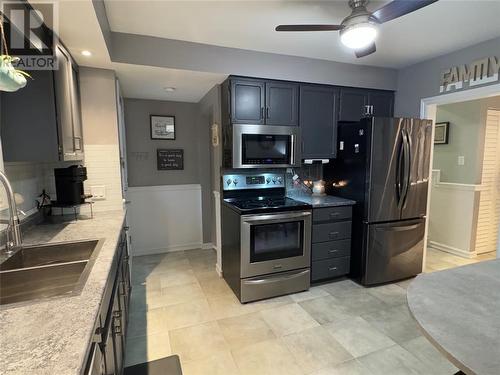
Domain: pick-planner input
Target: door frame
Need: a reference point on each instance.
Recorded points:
(428, 107)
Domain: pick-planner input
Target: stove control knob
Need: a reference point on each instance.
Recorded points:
(228, 182)
(280, 180)
(268, 180)
(235, 181)
(274, 180)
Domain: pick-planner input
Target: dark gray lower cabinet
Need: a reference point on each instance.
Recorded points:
(331, 242)
(108, 346)
(318, 121)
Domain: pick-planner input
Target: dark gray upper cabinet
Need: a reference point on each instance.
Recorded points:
(318, 121)
(382, 103)
(247, 101)
(42, 121)
(352, 104)
(282, 103)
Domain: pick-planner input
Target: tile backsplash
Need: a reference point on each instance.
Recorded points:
(312, 172)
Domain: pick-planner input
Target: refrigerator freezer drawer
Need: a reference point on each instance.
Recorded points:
(393, 251)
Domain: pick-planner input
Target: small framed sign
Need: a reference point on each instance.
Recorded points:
(441, 133)
(170, 159)
(162, 127)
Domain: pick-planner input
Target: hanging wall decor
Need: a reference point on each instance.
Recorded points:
(162, 127)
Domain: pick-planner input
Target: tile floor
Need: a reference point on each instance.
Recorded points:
(437, 260)
(180, 306)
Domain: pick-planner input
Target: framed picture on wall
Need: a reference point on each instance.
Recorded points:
(441, 133)
(162, 127)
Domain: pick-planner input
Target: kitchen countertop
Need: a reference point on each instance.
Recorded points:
(323, 201)
(53, 336)
(458, 310)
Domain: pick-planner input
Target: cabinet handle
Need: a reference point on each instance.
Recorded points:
(334, 214)
(267, 112)
(334, 234)
(332, 251)
(332, 269)
(261, 113)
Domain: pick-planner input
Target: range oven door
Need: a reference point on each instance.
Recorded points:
(261, 146)
(273, 243)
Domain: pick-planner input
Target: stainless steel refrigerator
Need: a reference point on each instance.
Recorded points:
(383, 164)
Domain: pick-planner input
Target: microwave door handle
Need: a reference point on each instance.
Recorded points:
(292, 150)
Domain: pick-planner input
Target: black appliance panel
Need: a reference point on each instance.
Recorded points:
(265, 149)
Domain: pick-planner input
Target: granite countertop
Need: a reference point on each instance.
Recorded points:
(458, 310)
(53, 336)
(323, 201)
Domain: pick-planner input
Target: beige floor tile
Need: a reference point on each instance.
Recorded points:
(266, 358)
(358, 336)
(199, 253)
(288, 319)
(146, 323)
(218, 364)
(422, 349)
(245, 330)
(147, 348)
(393, 360)
(313, 292)
(177, 278)
(197, 342)
(325, 309)
(227, 305)
(395, 322)
(391, 294)
(182, 293)
(358, 302)
(215, 286)
(270, 303)
(188, 314)
(315, 348)
(352, 367)
(341, 286)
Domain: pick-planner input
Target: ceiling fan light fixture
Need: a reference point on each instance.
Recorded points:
(359, 35)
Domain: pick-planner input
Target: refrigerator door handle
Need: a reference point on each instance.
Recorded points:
(407, 166)
(398, 228)
(399, 170)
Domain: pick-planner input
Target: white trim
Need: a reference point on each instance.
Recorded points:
(452, 250)
(436, 182)
(208, 246)
(218, 232)
(166, 187)
(170, 249)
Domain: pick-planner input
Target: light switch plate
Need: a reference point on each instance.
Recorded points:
(98, 192)
(461, 160)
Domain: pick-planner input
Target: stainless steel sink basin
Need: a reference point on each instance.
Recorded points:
(42, 271)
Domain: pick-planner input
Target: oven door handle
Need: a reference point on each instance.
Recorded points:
(273, 279)
(274, 218)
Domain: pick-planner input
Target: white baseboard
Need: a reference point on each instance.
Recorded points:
(452, 250)
(218, 270)
(208, 245)
(169, 249)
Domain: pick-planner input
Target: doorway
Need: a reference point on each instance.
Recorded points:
(464, 195)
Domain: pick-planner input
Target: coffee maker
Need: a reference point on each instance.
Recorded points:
(69, 184)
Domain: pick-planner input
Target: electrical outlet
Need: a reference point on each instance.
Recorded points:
(461, 160)
(98, 192)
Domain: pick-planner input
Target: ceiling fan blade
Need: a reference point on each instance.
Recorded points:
(309, 27)
(365, 51)
(398, 8)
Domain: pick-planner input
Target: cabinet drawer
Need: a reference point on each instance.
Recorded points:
(324, 269)
(332, 213)
(331, 249)
(331, 231)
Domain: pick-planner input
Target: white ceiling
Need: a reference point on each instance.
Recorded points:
(147, 82)
(442, 27)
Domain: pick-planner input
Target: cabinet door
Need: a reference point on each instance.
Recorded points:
(352, 104)
(282, 103)
(76, 114)
(382, 103)
(247, 101)
(62, 81)
(318, 121)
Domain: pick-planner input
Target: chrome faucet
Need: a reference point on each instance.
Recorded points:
(14, 239)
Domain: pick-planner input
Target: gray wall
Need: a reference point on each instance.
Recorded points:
(422, 80)
(177, 54)
(467, 136)
(141, 149)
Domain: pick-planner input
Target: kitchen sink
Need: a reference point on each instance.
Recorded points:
(48, 270)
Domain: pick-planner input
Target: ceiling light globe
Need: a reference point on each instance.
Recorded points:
(359, 36)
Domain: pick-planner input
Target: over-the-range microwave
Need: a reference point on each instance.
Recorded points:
(265, 146)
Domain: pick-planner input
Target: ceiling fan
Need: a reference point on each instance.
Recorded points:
(359, 30)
